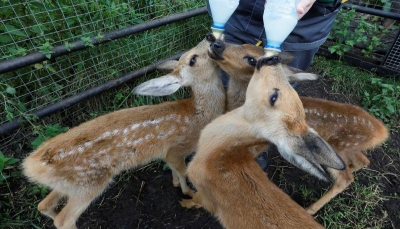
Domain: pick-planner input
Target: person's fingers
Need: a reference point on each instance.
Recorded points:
(303, 7)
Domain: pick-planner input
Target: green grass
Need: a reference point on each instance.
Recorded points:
(378, 95)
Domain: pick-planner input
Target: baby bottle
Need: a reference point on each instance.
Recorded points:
(280, 18)
(221, 11)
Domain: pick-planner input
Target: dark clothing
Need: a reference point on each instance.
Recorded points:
(246, 26)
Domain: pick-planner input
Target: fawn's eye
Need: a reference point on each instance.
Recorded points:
(274, 97)
(251, 60)
(193, 60)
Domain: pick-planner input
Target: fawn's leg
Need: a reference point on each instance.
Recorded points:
(358, 161)
(194, 202)
(178, 166)
(75, 206)
(48, 205)
(354, 161)
(199, 201)
(175, 178)
(343, 180)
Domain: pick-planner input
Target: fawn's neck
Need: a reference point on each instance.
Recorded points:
(208, 99)
(226, 133)
(236, 94)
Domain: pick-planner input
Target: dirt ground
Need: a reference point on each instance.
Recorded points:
(145, 198)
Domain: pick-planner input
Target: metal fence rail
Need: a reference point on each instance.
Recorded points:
(92, 45)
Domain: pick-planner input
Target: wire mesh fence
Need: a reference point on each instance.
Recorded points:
(384, 5)
(393, 57)
(31, 26)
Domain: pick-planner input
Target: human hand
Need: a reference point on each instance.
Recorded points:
(303, 6)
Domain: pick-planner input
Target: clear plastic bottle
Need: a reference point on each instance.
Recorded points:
(280, 18)
(221, 11)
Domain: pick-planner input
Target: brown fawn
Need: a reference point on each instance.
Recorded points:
(347, 128)
(230, 184)
(80, 163)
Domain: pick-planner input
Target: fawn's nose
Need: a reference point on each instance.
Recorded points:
(217, 47)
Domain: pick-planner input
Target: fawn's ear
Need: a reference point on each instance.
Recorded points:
(164, 85)
(297, 75)
(286, 57)
(309, 152)
(167, 66)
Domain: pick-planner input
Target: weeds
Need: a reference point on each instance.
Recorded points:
(383, 101)
(4, 163)
(379, 96)
(350, 29)
(49, 131)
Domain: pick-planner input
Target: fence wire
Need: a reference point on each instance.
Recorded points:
(384, 5)
(30, 26)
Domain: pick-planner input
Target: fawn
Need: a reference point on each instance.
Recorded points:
(80, 163)
(230, 184)
(347, 128)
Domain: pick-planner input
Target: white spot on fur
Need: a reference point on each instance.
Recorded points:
(81, 149)
(102, 151)
(332, 115)
(137, 141)
(306, 110)
(135, 126)
(125, 131)
(106, 134)
(115, 132)
(173, 117)
(88, 144)
(149, 136)
(187, 120)
(62, 154)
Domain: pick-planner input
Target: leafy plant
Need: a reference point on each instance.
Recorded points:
(383, 101)
(50, 131)
(87, 41)
(350, 30)
(4, 162)
(46, 49)
(12, 106)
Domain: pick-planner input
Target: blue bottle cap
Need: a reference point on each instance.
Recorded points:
(273, 46)
(218, 25)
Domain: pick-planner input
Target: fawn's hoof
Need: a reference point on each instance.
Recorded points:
(187, 203)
